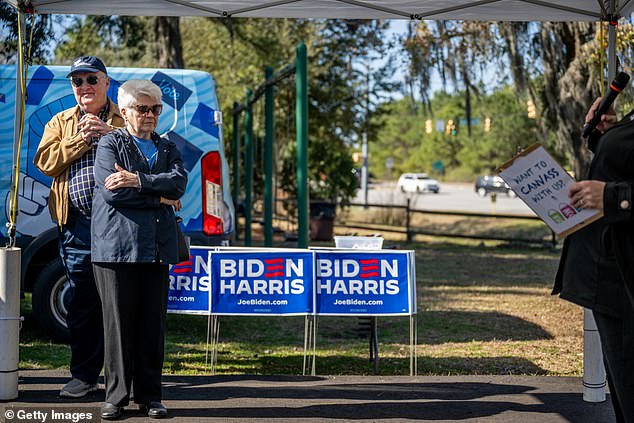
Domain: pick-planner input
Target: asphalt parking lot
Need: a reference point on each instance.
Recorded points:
(244, 398)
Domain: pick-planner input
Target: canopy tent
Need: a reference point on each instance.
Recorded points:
(481, 10)
(488, 10)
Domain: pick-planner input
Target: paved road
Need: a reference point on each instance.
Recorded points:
(452, 196)
(268, 399)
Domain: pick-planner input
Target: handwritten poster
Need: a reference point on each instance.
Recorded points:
(543, 185)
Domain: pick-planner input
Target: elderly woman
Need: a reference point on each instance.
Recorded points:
(140, 178)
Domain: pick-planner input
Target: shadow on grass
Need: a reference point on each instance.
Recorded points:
(439, 327)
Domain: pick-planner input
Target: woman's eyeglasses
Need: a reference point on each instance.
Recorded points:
(78, 82)
(144, 110)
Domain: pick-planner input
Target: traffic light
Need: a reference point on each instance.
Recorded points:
(428, 126)
(532, 111)
(487, 125)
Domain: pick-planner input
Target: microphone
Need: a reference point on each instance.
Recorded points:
(616, 87)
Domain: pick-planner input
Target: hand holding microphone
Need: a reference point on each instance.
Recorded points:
(594, 118)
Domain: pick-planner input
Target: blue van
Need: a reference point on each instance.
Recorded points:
(191, 119)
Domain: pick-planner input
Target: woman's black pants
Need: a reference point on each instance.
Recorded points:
(134, 304)
(617, 343)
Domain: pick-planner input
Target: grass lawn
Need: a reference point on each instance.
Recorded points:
(482, 309)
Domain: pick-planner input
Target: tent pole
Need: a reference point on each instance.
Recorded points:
(17, 129)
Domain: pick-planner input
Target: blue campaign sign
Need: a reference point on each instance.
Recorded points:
(276, 282)
(190, 284)
(351, 283)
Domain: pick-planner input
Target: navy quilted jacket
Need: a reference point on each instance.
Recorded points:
(130, 225)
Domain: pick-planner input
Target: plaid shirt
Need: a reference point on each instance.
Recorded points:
(81, 176)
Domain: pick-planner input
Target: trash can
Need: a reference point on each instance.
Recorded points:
(322, 220)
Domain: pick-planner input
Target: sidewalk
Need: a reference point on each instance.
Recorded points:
(242, 398)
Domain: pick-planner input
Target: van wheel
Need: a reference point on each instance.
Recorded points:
(51, 295)
(482, 192)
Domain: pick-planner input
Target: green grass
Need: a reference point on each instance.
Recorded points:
(482, 309)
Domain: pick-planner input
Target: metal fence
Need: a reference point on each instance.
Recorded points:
(409, 230)
(288, 226)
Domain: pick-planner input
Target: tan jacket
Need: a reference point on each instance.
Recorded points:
(60, 146)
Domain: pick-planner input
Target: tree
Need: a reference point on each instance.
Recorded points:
(169, 49)
(43, 35)
(117, 40)
(122, 41)
(457, 50)
(569, 86)
(404, 138)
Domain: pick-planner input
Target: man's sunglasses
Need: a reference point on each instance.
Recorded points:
(144, 110)
(77, 81)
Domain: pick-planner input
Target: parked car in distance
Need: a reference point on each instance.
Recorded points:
(417, 182)
(488, 184)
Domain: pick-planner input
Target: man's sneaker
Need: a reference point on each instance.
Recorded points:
(77, 388)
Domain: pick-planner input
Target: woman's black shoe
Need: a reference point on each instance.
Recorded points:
(110, 411)
(154, 409)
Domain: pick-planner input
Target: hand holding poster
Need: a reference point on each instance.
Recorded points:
(543, 185)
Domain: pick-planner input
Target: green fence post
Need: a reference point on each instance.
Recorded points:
(235, 150)
(301, 116)
(248, 165)
(268, 157)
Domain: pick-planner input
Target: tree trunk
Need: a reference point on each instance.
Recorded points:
(568, 88)
(467, 100)
(169, 49)
(511, 32)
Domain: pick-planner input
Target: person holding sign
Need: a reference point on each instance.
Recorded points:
(140, 178)
(596, 269)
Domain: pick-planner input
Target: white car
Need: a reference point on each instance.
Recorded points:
(417, 182)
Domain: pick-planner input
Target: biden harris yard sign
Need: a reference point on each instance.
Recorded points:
(372, 283)
(190, 284)
(276, 282)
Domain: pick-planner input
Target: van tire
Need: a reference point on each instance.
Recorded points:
(51, 292)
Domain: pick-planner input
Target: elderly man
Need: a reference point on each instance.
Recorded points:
(67, 154)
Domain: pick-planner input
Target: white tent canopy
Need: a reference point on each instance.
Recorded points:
(483, 10)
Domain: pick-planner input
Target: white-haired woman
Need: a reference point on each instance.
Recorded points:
(140, 178)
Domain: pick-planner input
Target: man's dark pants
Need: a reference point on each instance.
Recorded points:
(84, 319)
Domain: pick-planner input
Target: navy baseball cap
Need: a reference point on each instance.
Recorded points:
(87, 64)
